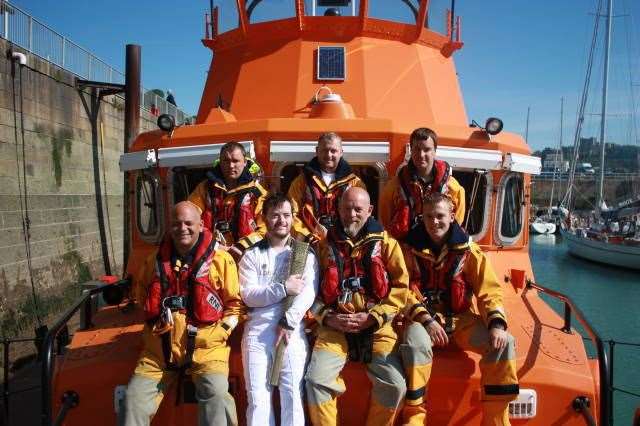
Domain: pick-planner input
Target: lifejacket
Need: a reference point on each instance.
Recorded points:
(408, 212)
(182, 284)
(320, 202)
(231, 211)
(356, 268)
(439, 277)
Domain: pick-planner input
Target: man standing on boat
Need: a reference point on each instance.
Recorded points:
(446, 270)
(401, 199)
(316, 192)
(364, 285)
(192, 306)
(278, 282)
(231, 200)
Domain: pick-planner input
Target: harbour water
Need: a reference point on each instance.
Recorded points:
(609, 298)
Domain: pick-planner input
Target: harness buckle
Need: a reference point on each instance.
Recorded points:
(192, 330)
(351, 284)
(222, 226)
(174, 303)
(434, 296)
(326, 221)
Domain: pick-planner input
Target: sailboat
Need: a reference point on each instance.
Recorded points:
(608, 236)
(549, 222)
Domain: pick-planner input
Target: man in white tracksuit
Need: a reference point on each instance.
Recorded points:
(265, 285)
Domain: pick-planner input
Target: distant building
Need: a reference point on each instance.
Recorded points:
(553, 161)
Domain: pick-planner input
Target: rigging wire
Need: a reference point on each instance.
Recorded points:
(106, 194)
(22, 186)
(583, 101)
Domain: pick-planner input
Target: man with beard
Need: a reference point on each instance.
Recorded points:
(401, 199)
(316, 191)
(192, 306)
(265, 285)
(447, 270)
(231, 201)
(364, 285)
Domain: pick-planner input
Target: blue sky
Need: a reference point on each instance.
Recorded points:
(517, 53)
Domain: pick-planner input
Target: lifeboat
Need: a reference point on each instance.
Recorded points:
(274, 85)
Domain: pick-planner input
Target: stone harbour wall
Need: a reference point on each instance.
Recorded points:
(55, 165)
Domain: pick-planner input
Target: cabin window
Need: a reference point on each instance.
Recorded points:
(269, 10)
(148, 206)
(477, 200)
(402, 11)
(184, 181)
(511, 210)
(320, 7)
(228, 18)
(437, 15)
(371, 175)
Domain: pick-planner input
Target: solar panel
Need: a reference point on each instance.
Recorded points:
(329, 3)
(331, 63)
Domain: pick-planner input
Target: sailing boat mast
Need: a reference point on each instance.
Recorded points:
(603, 118)
(526, 129)
(558, 159)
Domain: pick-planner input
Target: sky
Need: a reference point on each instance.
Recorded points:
(517, 54)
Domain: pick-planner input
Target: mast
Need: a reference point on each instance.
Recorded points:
(603, 115)
(567, 201)
(526, 129)
(555, 168)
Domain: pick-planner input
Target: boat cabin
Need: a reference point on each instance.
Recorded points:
(281, 74)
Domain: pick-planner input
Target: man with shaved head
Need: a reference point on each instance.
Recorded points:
(364, 285)
(192, 304)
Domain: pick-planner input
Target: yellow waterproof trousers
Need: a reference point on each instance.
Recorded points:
(210, 372)
(499, 380)
(324, 384)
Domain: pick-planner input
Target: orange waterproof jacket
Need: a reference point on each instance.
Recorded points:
(383, 290)
(315, 203)
(235, 214)
(400, 204)
(446, 281)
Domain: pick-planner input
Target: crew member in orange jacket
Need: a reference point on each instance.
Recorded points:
(364, 285)
(316, 191)
(446, 271)
(400, 204)
(231, 201)
(192, 306)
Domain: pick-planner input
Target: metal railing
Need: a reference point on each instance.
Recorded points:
(581, 403)
(27, 32)
(70, 398)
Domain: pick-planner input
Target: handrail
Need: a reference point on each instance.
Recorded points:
(39, 39)
(48, 362)
(603, 361)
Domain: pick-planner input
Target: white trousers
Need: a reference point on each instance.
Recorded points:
(257, 356)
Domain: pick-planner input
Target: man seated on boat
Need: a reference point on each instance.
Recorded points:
(231, 201)
(400, 203)
(317, 190)
(278, 282)
(446, 270)
(192, 306)
(364, 285)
